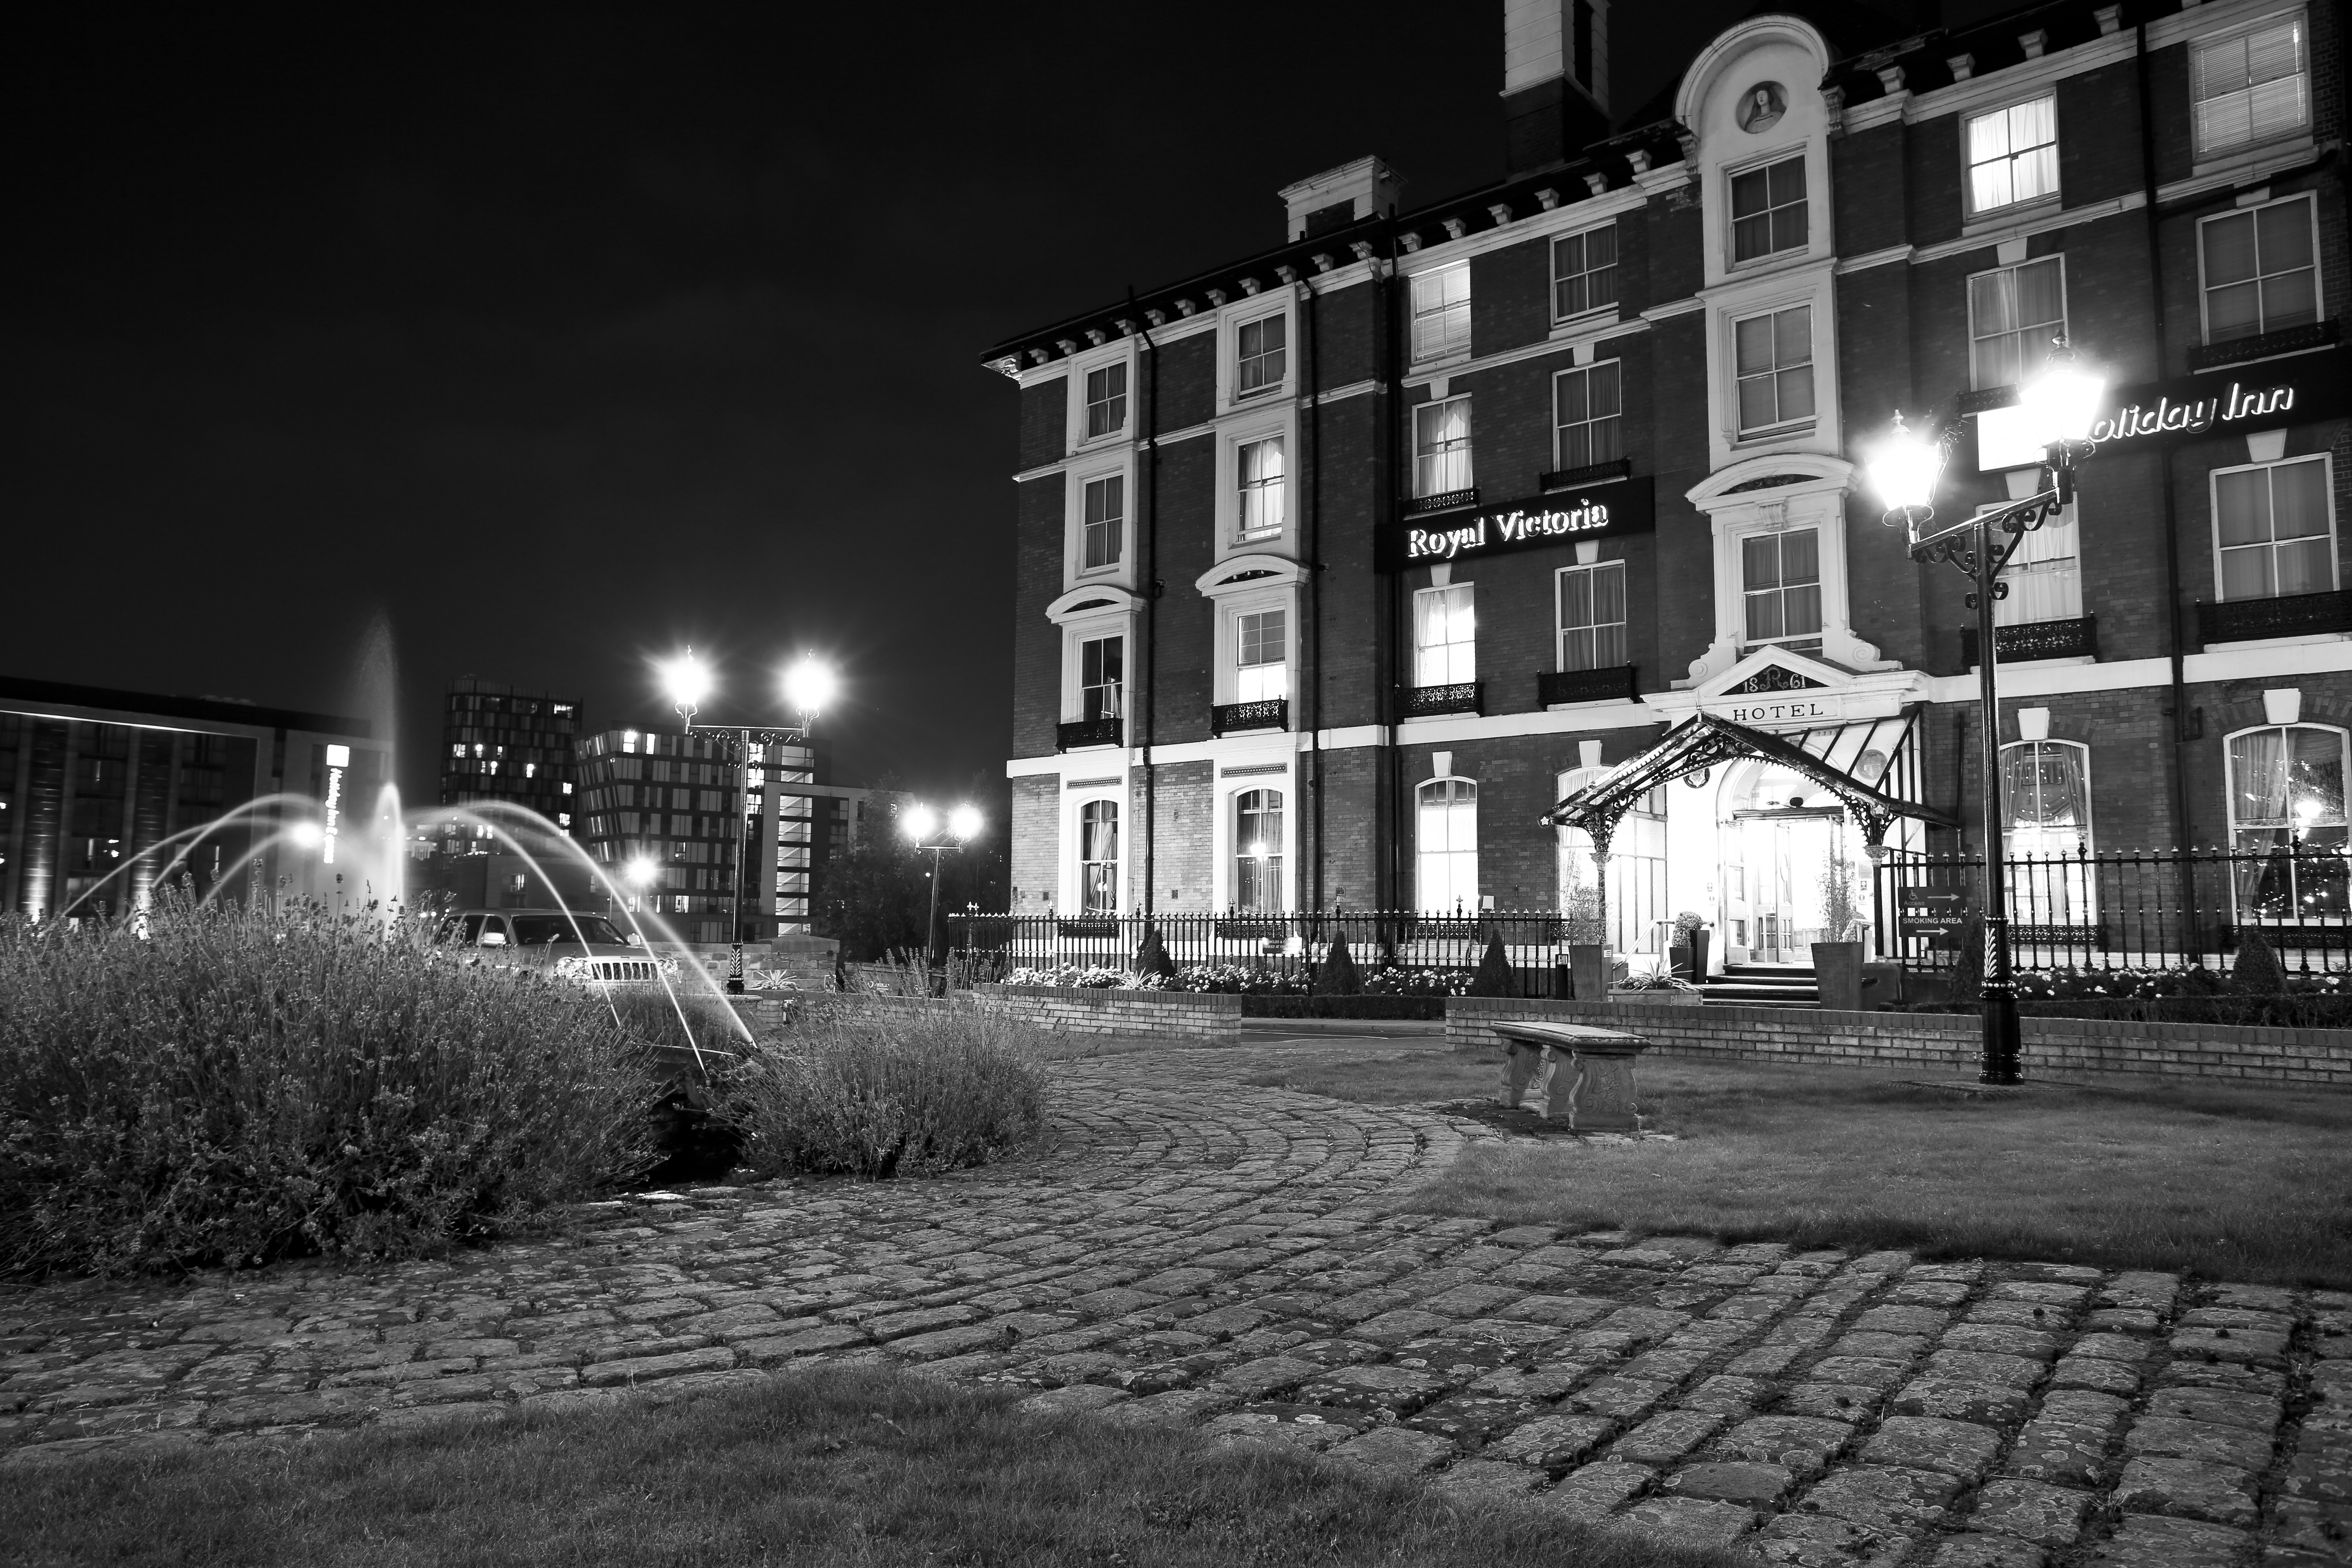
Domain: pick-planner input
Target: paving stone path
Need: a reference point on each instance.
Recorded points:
(1203, 1253)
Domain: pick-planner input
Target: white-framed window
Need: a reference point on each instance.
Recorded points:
(2013, 155)
(2287, 825)
(1098, 858)
(1768, 209)
(1102, 677)
(1261, 656)
(1261, 355)
(1441, 447)
(2275, 529)
(2044, 575)
(1781, 574)
(1259, 477)
(1257, 883)
(2015, 315)
(1103, 522)
(2252, 86)
(2259, 268)
(1587, 408)
(1772, 355)
(1592, 614)
(1583, 271)
(1106, 400)
(1445, 845)
(1637, 872)
(1445, 636)
(2045, 799)
(1441, 313)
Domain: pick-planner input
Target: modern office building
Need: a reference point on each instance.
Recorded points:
(1341, 566)
(517, 747)
(102, 792)
(665, 815)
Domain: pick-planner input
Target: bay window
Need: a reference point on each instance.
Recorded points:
(2273, 530)
(2288, 825)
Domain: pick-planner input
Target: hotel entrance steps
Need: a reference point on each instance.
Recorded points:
(1763, 985)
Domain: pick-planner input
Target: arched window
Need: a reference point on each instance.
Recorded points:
(1098, 858)
(1257, 850)
(1446, 839)
(1637, 872)
(2288, 825)
(2045, 831)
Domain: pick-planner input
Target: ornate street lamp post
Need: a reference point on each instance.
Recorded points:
(807, 687)
(920, 824)
(2061, 402)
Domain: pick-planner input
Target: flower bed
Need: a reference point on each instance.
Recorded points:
(1253, 980)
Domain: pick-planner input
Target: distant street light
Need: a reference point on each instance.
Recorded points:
(920, 823)
(807, 687)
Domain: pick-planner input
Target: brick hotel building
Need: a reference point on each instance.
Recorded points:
(1340, 566)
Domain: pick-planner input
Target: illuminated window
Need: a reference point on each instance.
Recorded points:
(1445, 844)
(2259, 268)
(1261, 652)
(2013, 155)
(2287, 823)
(1257, 850)
(1445, 636)
(1441, 447)
(2252, 86)
(1259, 468)
(1098, 858)
(1106, 400)
(1768, 209)
(1773, 355)
(1441, 313)
(1583, 272)
(2015, 315)
(1101, 675)
(1262, 355)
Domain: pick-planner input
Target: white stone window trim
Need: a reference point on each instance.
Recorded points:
(1230, 321)
(2248, 21)
(1816, 499)
(1121, 351)
(1801, 150)
(1477, 849)
(1075, 574)
(2089, 827)
(1088, 612)
(1732, 316)
(2290, 720)
(1225, 801)
(2318, 257)
(1070, 904)
(1282, 421)
(2327, 488)
(2009, 212)
(1247, 584)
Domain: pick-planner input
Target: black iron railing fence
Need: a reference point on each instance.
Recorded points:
(2137, 910)
(1293, 943)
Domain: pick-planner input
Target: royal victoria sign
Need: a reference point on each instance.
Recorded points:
(2260, 396)
(1445, 538)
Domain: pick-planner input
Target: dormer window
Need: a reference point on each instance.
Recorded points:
(1263, 356)
(1768, 210)
(1106, 401)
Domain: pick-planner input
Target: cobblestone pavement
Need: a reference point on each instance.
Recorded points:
(1202, 1253)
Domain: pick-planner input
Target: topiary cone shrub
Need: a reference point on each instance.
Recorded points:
(2258, 971)
(217, 1084)
(1339, 976)
(1151, 960)
(1494, 976)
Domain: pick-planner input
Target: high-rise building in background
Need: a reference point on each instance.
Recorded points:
(93, 782)
(501, 745)
(662, 815)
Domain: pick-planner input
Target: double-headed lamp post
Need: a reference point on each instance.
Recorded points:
(2061, 402)
(926, 830)
(807, 687)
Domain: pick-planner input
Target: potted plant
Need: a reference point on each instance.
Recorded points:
(1691, 935)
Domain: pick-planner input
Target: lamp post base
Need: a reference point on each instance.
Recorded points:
(2003, 1043)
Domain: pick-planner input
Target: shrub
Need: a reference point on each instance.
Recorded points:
(1151, 960)
(1339, 976)
(1494, 976)
(882, 1095)
(220, 1084)
(2258, 971)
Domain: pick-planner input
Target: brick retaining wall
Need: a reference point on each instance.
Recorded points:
(1943, 1042)
(1193, 1016)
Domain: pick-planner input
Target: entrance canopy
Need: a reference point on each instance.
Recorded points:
(1849, 760)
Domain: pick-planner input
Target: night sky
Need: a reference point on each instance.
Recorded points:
(562, 339)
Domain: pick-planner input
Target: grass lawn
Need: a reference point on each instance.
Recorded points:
(841, 1467)
(2230, 1183)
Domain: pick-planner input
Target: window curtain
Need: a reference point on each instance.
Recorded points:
(1445, 637)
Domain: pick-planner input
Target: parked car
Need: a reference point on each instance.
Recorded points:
(585, 948)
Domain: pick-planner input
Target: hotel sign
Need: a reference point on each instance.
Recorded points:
(1783, 710)
(2261, 396)
(1624, 507)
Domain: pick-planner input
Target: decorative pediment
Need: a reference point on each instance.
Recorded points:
(1253, 571)
(1093, 600)
(1774, 669)
(1774, 678)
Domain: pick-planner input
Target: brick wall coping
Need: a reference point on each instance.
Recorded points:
(1108, 996)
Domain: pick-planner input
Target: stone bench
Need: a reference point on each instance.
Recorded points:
(1583, 1073)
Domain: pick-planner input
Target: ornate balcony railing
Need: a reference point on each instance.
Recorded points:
(2296, 615)
(2075, 638)
(1420, 701)
(1232, 718)
(1079, 733)
(1445, 500)
(1613, 684)
(1591, 474)
(2267, 345)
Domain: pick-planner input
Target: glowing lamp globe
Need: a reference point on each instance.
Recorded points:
(641, 872)
(1903, 469)
(2062, 400)
(809, 687)
(307, 834)
(964, 822)
(687, 680)
(918, 822)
